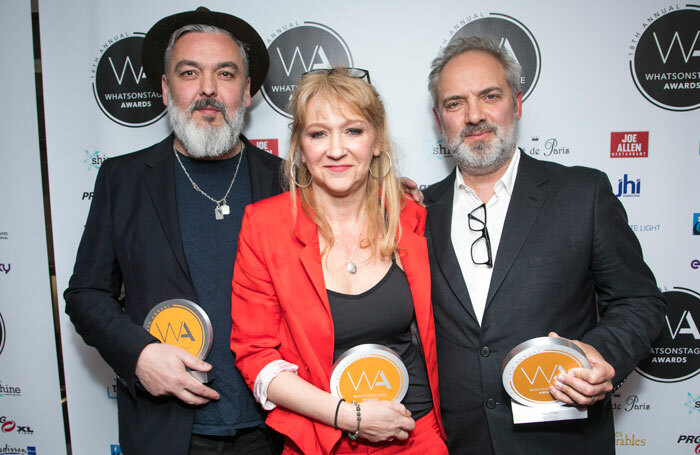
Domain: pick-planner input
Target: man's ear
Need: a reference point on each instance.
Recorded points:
(437, 120)
(247, 97)
(164, 89)
(519, 105)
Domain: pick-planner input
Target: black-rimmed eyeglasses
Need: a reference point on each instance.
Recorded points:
(356, 73)
(481, 247)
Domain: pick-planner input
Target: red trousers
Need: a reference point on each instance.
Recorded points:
(423, 440)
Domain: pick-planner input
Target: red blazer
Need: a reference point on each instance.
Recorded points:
(280, 306)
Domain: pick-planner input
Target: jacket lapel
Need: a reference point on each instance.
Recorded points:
(414, 249)
(527, 200)
(307, 232)
(159, 179)
(439, 230)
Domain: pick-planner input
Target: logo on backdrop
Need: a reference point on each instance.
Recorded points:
(625, 439)
(550, 147)
(696, 223)
(510, 34)
(665, 58)
(8, 425)
(120, 86)
(438, 149)
(645, 227)
(12, 450)
(695, 264)
(9, 391)
(296, 49)
(675, 354)
(4, 235)
(115, 449)
(690, 439)
(93, 160)
(693, 403)
(269, 145)
(3, 334)
(632, 144)
(5, 268)
(630, 403)
(628, 186)
(112, 389)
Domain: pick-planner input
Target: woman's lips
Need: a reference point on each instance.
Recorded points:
(338, 167)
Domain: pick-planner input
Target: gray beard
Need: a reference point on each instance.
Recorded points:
(483, 158)
(207, 141)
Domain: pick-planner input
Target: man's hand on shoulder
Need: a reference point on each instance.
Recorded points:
(411, 188)
(161, 368)
(584, 386)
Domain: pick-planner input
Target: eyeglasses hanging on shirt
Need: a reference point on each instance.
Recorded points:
(481, 247)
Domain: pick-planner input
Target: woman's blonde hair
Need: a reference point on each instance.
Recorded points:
(383, 195)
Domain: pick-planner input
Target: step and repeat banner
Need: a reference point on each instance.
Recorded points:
(31, 419)
(611, 85)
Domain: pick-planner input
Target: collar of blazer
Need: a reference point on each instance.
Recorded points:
(412, 223)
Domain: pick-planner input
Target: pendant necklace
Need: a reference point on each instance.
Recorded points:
(351, 266)
(222, 207)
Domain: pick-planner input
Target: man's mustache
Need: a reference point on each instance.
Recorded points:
(207, 102)
(475, 128)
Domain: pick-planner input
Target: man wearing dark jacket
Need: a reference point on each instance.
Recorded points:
(519, 249)
(163, 224)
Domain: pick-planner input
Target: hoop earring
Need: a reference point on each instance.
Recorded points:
(388, 169)
(294, 179)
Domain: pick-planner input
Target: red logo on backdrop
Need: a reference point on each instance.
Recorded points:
(631, 144)
(8, 426)
(269, 145)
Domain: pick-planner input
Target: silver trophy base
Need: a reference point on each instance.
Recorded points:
(546, 413)
(202, 376)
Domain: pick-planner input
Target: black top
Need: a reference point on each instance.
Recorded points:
(383, 315)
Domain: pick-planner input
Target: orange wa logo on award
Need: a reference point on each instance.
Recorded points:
(534, 375)
(369, 372)
(181, 323)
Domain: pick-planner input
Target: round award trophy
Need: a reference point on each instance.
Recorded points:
(529, 370)
(184, 324)
(369, 372)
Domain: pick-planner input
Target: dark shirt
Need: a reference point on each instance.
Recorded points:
(383, 315)
(210, 248)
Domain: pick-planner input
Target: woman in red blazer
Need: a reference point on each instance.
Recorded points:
(338, 261)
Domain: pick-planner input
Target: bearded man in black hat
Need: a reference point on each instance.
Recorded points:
(164, 225)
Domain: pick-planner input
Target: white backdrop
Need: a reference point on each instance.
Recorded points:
(31, 421)
(581, 61)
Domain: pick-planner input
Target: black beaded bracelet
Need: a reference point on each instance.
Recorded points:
(353, 436)
(335, 420)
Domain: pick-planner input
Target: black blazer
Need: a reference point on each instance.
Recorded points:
(566, 255)
(129, 259)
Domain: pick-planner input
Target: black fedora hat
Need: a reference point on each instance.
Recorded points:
(156, 41)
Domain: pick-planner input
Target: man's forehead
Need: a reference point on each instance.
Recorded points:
(211, 43)
(471, 69)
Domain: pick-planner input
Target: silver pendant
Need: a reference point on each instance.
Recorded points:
(224, 209)
(352, 268)
(218, 213)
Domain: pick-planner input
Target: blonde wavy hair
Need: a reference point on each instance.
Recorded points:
(384, 198)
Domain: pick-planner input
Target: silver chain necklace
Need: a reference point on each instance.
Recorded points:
(349, 263)
(222, 207)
